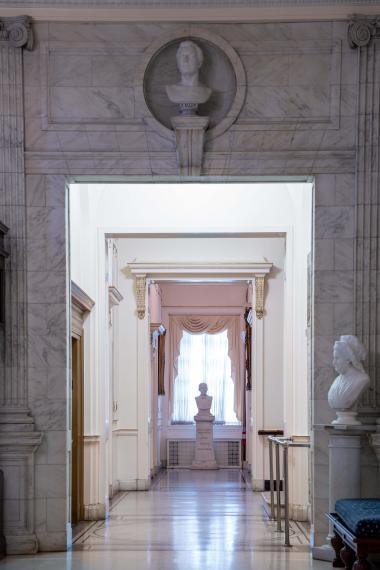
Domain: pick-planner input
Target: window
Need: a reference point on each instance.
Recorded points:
(204, 358)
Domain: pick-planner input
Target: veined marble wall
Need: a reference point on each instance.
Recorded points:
(83, 117)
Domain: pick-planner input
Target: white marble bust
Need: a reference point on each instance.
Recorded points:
(189, 91)
(349, 353)
(204, 404)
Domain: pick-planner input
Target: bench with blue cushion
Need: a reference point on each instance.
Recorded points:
(357, 532)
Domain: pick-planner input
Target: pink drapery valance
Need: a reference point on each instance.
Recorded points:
(210, 324)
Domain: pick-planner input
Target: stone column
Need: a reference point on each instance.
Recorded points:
(364, 36)
(18, 440)
(15, 34)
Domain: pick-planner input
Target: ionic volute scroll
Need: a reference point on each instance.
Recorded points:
(361, 30)
(17, 31)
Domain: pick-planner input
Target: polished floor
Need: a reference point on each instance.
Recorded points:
(189, 520)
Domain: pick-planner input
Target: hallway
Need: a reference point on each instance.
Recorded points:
(188, 520)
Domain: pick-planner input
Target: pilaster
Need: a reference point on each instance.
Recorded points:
(15, 34)
(364, 36)
(19, 441)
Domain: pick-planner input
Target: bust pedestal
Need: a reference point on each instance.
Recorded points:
(189, 135)
(204, 443)
(345, 443)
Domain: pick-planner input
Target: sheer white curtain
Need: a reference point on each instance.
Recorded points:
(204, 358)
(210, 325)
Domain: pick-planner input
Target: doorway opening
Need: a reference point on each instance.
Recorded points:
(142, 253)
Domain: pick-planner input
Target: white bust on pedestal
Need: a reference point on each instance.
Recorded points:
(204, 444)
(204, 403)
(189, 92)
(349, 353)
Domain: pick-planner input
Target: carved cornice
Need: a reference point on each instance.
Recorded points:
(362, 30)
(172, 4)
(80, 299)
(114, 296)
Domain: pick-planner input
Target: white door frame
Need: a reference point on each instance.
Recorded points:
(144, 273)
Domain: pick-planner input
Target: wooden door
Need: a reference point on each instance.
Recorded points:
(77, 458)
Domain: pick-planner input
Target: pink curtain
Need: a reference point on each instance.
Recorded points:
(210, 324)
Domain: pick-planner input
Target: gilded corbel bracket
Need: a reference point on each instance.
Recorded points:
(259, 290)
(140, 295)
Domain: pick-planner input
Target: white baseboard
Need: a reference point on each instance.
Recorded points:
(21, 544)
(115, 488)
(258, 484)
(95, 512)
(324, 552)
(143, 484)
(127, 485)
(134, 485)
(299, 513)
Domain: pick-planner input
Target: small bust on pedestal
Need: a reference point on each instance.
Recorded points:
(204, 403)
(189, 92)
(204, 457)
(349, 353)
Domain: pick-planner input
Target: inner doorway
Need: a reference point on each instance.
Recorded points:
(184, 223)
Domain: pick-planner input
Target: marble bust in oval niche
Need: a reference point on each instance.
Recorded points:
(189, 76)
(189, 92)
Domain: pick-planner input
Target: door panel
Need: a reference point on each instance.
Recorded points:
(77, 431)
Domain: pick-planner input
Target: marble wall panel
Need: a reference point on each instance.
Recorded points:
(68, 70)
(286, 103)
(137, 34)
(252, 34)
(334, 222)
(47, 350)
(324, 254)
(90, 104)
(115, 70)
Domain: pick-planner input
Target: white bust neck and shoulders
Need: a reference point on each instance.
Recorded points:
(188, 93)
(346, 388)
(204, 403)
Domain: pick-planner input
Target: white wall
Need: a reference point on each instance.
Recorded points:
(197, 209)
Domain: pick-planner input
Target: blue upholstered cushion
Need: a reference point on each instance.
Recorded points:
(361, 516)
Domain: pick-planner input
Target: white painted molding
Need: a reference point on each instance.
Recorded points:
(80, 299)
(91, 439)
(114, 296)
(177, 270)
(125, 432)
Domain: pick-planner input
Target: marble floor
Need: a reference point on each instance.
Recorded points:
(189, 520)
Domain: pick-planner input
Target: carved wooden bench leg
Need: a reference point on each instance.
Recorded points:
(337, 544)
(361, 562)
(348, 557)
